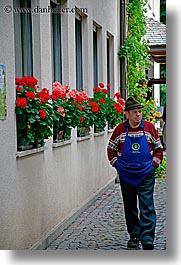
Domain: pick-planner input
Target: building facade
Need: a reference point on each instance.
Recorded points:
(75, 42)
(76, 46)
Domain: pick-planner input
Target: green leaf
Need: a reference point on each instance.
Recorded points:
(18, 110)
(32, 120)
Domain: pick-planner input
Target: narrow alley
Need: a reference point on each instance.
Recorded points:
(102, 224)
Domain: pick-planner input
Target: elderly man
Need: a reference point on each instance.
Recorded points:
(135, 150)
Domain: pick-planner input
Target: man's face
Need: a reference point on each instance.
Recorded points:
(134, 116)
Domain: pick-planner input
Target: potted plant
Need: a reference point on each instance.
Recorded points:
(63, 109)
(99, 107)
(34, 113)
(71, 109)
(114, 110)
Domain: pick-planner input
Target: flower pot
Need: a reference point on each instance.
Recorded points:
(57, 136)
(98, 129)
(38, 143)
(83, 131)
(111, 126)
(62, 135)
(23, 145)
(67, 133)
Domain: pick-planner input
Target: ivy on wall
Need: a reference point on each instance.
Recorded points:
(135, 50)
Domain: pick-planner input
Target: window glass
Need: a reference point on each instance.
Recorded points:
(26, 39)
(95, 61)
(57, 51)
(78, 47)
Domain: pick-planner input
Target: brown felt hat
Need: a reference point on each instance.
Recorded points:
(132, 103)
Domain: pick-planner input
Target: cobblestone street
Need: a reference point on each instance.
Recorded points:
(102, 224)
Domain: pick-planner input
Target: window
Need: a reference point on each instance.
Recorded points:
(108, 64)
(26, 39)
(78, 47)
(95, 60)
(57, 51)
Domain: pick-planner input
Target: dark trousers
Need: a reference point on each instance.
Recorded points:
(140, 214)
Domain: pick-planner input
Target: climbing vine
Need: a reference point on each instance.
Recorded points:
(135, 51)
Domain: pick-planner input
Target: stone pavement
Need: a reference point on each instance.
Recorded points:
(102, 224)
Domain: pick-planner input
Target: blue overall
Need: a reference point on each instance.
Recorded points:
(136, 175)
(136, 161)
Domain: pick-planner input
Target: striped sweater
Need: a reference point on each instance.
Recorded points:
(117, 139)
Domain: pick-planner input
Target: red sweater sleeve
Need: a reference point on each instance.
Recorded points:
(154, 143)
(114, 143)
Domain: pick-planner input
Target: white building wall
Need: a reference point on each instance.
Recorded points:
(40, 190)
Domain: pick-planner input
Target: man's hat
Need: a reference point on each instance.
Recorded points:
(132, 103)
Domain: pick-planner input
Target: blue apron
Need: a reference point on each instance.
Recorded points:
(135, 163)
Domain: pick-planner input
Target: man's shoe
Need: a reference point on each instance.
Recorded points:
(147, 245)
(133, 243)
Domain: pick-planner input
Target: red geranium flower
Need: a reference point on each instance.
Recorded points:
(18, 81)
(29, 81)
(30, 95)
(104, 90)
(80, 108)
(79, 99)
(117, 95)
(42, 114)
(61, 110)
(67, 88)
(101, 85)
(96, 89)
(118, 107)
(21, 102)
(18, 88)
(101, 100)
(81, 119)
(44, 95)
(121, 101)
(95, 107)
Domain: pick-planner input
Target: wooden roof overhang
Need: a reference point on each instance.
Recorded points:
(153, 81)
(156, 37)
(158, 53)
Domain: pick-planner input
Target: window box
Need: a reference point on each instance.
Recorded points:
(62, 135)
(83, 131)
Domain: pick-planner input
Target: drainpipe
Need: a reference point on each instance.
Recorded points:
(122, 40)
